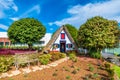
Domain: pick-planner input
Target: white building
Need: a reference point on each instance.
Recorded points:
(61, 41)
(4, 39)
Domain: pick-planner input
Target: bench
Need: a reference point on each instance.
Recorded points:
(25, 59)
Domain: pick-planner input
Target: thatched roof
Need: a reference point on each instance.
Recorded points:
(55, 36)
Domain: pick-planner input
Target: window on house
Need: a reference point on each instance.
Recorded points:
(6, 43)
(62, 35)
(42, 42)
(69, 45)
(1, 43)
(55, 45)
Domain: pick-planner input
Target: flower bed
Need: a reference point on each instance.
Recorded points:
(15, 51)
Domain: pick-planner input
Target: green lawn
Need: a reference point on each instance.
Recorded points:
(117, 70)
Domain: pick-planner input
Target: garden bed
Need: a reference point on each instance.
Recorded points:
(68, 70)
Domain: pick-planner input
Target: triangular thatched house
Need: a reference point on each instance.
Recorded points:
(61, 41)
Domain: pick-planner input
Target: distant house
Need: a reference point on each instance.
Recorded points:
(61, 41)
(4, 40)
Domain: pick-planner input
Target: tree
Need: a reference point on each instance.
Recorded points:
(26, 30)
(73, 31)
(98, 33)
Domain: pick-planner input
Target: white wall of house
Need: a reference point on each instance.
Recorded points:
(57, 41)
(3, 35)
(44, 40)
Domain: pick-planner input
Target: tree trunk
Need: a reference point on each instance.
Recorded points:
(30, 46)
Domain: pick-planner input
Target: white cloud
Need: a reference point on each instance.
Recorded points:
(79, 14)
(6, 5)
(14, 18)
(28, 13)
(35, 8)
(4, 27)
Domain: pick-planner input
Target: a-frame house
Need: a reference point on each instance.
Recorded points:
(61, 41)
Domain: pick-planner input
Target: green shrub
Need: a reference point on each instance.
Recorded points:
(95, 54)
(117, 70)
(116, 53)
(107, 65)
(1, 46)
(16, 47)
(111, 73)
(62, 55)
(57, 55)
(72, 52)
(44, 59)
(73, 57)
(37, 48)
(5, 63)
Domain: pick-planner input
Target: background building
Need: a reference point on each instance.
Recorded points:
(4, 40)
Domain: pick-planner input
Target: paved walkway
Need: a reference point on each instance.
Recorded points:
(34, 68)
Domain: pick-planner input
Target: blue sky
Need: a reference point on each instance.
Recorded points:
(54, 13)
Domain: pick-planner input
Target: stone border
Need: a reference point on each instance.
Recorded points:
(34, 68)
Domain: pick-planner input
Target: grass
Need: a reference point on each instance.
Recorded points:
(68, 77)
(10, 79)
(117, 70)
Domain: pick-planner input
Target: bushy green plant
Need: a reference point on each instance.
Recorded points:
(117, 70)
(72, 52)
(39, 48)
(5, 63)
(57, 55)
(73, 57)
(62, 55)
(111, 73)
(95, 54)
(16, 47)
(116, 53)
(107, 65)
(1, 46)
(44, 59)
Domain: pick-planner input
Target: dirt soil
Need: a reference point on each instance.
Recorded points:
(67, 70)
